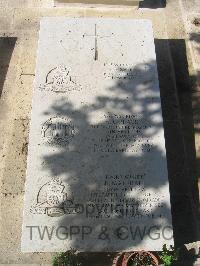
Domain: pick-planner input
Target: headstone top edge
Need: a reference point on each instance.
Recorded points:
(62, 18)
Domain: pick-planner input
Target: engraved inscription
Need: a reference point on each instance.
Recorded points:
(58, 131)
(122, 195)
(50, 199)
(122, 133)
(123, 72)
(60, 80)
(116, 71)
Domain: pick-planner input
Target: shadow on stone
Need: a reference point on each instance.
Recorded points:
(152, 4)
(7, 45)
(88, 164)
(195, 37)
(179, 137)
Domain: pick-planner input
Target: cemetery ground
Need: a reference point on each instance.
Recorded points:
(176, 32)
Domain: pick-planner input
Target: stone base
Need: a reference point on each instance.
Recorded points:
(60, 3)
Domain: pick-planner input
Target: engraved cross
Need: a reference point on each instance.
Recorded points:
(96, 36)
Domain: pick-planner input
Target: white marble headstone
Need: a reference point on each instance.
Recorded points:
(96, 173)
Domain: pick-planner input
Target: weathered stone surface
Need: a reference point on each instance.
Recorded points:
(97, 171)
